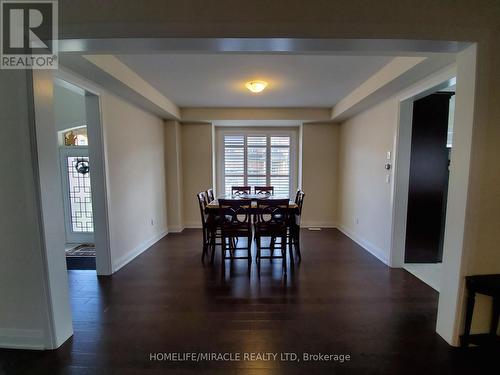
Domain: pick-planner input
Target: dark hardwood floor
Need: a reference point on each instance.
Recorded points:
(339, 300)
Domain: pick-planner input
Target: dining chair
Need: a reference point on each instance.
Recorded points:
(240, 190)
(235, 222)
(210, 195)
(208, 232)
(297, 195)
(271, 221)
(294, 223)
(265, 190)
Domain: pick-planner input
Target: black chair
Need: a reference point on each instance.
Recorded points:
(209, 231)
(294, 223)
(235, 222)
(271, 220)
(265, 190)
(488, 285)
(297, 195)
(240, 190)
(210, 195)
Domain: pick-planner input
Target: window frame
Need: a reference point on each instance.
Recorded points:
(257, 131)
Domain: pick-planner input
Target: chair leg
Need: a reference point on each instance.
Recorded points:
(212, 245)
(249, 239)
(212, 256)
(258, 254)
(232, 244)
(272, 245)
(223, 258)
(204, 252)
(283, 252)
(223, 246)
(494, 316)
(205, 240)
(297, 244)
(257, 241)
(290, 248)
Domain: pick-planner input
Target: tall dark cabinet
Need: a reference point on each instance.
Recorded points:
(428, 184)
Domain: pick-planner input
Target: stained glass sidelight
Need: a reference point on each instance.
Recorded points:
(80, 196)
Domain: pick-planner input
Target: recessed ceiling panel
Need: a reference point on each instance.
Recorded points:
(218, 80)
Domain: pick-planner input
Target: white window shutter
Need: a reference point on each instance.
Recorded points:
(257, 160)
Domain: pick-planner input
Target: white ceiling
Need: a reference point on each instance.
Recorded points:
(217, 80)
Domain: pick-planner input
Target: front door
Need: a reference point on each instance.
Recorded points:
(77, 195)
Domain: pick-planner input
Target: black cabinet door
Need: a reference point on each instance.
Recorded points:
(428, 185)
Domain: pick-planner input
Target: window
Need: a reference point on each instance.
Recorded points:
(258, 160)
(74, 137)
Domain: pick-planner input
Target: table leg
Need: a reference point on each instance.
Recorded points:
(471, 298)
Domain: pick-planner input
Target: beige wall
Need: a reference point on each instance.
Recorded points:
(364, 194)
(196, 168)
(252, 114)
(173, 173)
(320, 144)
(69, 108)
(134, 144)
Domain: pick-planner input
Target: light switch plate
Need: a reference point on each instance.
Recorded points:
(388, 155)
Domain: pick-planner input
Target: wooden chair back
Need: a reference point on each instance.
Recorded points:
(299, 201)
(202, 202)
(272, 211)
(266, 190)
(235, 211)
(240, 190)
(296, 195)
(210, 195)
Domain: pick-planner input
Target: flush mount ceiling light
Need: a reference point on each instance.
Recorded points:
(256, 86)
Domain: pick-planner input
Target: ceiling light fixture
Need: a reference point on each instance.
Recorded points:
(256, 86)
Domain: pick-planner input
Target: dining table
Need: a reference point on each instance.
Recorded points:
(253, 197)
(212, 209)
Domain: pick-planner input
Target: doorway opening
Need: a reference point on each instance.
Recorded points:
(430, 153)
(74, 164)
(81, 163)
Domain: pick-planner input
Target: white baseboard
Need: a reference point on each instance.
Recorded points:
(125, 259)
(365, 244)
(318, 224)
(305, 224)
(30, 339)
(175, 229)
(192, 224)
